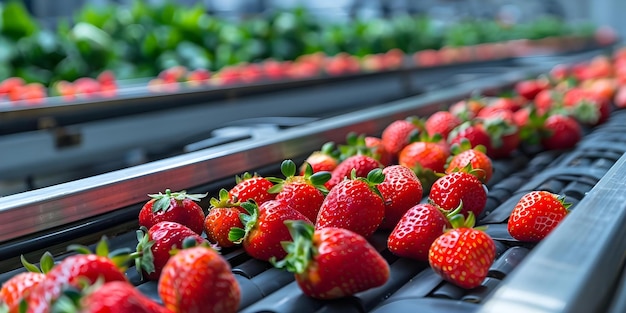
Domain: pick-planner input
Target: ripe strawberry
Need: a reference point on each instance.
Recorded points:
(362, 164)
(463, 254)
(474, 132)
(365, 145)
(463, 155)
(441, 122)
(467, 109)
(197, 280)
(399, 133)
(417, 230)
(18, 287)
(154, 246)
(354, 204)
(322, 160)
(504, 133)
(536, 214)
(177, 207)
(459, 188)
(332, 262)
(251, 187)
(563, 132)
(401, 190)
(74, 270)
(378, 150)
(303, 193)
(222, 217)
(264, 229)
(115, 296)
(529, 88)
(426, 159)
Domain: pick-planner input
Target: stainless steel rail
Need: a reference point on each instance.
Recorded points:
(42, 209)
(575, 269)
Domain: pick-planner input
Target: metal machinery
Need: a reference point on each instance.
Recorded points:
(90, 166)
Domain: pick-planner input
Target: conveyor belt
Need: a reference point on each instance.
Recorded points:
(578, 268)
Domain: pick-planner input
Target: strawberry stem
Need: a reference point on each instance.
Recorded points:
(299, 251)
(249, 220)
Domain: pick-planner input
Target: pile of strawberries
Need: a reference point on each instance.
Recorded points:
(422, 182)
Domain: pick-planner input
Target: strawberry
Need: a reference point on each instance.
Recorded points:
(222, 217)
(401, 190)
(463, 155)
(472, 131)
(399, 134)
(322, 160)
(442, 123)
(198, 279)
(378, 150)
(536, 214)
(115, 296)
(504, 133)
(332, 263)
(463, 254)
(264, 228)
(177, 207)
(426, 159)
(303, 193)
(154, 246)
(365, 145)
(529, 88)
(354, 204)
(362, 164)
(18, 287)
(85, 267)
(251, 187)
(467, 109)
(459, 188)
(563, 132)
(417, 230)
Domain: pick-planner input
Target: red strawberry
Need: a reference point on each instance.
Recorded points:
(365, 145)
(459, 188)
(322, 160)
(426, 159)
(462, 255)
(378, 150)
(504, 133)
(155, 244)
(417, 230)
(467, 109)
(264, 229)
(72, 271)
(332, 262)
(303, 193)
(535, 215)
(177, 207)
(222, 217)
(251, 187)
(441, 122)
(401, 190)
(529, 88)
(546, 100)
(354, 204)
(478, 161)
(115, 296)
(474, 132)
(198, 279)
(564, 132)
(18, 287)
(399, 134)
(363, 164)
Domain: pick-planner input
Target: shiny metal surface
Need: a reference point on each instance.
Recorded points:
(38, 210)
(576, 267)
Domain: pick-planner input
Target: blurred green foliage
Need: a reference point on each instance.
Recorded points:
(142, 39)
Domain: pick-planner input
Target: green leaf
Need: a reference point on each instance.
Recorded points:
(29, 266)
(288, 168)
(16, 22)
